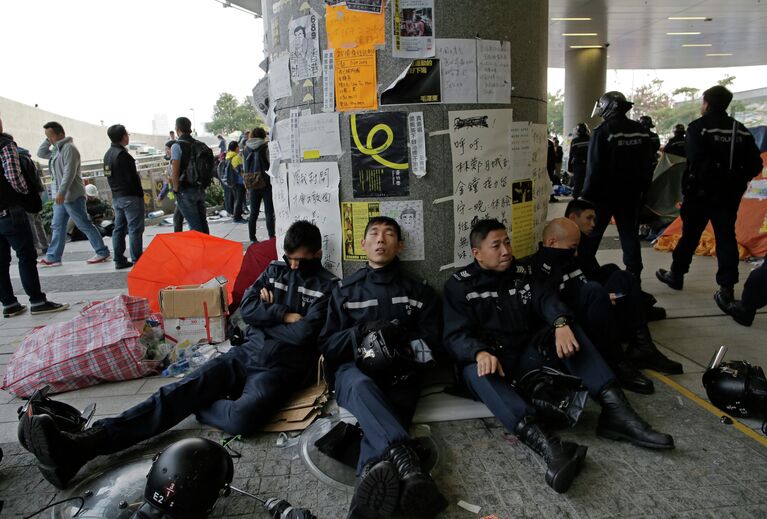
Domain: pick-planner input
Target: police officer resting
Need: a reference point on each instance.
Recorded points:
(381, 327)
(499, 324)
(236, 392)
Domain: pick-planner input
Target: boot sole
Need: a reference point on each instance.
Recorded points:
(640, 390)
(618, 436)
(379, 489)
(566, 475)
(37, 436)
(420, 498)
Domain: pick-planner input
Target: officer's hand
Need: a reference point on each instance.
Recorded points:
(565, 341)
(488, 364)
(613, 299)
(291, 317)
(266, 296)
(60, 198)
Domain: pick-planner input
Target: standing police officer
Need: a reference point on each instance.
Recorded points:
(576, 163)
(618, 171)
(675, 144)
(721, 159)
(646, 122)
(378, 320)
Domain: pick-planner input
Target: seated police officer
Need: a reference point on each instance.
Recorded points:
(236, 392)
(380, 325)
(492, 329)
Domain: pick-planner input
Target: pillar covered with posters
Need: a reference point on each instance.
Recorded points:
(431, 112)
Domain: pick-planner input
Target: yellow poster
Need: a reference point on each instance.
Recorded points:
(355, 80)
(349, 29)
(522, 217)
(354, 218)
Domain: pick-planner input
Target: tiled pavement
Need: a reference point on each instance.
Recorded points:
(715, 471)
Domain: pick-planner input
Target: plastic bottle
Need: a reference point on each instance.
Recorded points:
(156, 214)
(177, 368)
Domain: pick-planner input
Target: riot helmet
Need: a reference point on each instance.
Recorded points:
(582, 129)
(646, 121)
(736, 387)
(66, 417)
(610, 104)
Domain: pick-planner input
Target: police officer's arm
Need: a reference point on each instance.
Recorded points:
(305, 330)
(595, 164)
(549, 307)
(751, 159)
(340, 333)
(257, 312)
(460, 331)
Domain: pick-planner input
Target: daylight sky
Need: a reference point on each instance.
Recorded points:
(127, 61)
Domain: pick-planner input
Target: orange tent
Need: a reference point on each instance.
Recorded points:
(183, 258)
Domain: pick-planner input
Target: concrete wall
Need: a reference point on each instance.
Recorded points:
(26, 122)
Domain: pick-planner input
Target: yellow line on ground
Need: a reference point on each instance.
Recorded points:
(709, 407)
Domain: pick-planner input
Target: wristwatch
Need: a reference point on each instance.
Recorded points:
(561, 322)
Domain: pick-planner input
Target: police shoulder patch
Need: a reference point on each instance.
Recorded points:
(462, 275)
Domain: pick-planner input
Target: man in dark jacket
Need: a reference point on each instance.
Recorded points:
(675, 144)
(256, 157)
(576, 162)
(380, 303)
(648, 124)
(127, 197)
(618, 171)
(500, 323)
(236, 392)
(722, 158)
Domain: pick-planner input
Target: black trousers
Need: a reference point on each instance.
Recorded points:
(626, 213)
(755, 290)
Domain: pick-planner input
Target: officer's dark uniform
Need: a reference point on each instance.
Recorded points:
(755, 289)
(712, 190)
(576, 163)
(676, 146)
(499, 312)
(383, 407)
(237, 391)
(654, 147)
(617, 173)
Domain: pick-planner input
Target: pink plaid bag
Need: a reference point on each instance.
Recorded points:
(101, 344)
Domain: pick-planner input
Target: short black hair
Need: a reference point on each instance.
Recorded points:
(577, 206)
(300, 28)
(219, 136)
(116, 132)
(233, 145)
(184, 125)
(258, 133)
(302, 234)
(56, 127)
(170, 143)
(718, 98)
(384, 220)
(481, 229)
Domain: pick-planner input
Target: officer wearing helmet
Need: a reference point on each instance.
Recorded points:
(675, 144)
(722, 157)
(576, 163)
(618, 171)
(378, 321)
(648, 124)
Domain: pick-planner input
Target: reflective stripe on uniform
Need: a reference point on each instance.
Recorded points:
(361, 304)
(279, 285)
(483, 295)
(405, 299)
(627, 135)
(722, 130)
(308, 292)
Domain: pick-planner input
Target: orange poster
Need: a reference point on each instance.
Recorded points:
(356, 79)
(349, 29)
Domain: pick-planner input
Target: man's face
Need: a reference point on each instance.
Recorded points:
(300, 39)
(381, 244)
(407, 220)
(495, 251)
(703, 107)
(300, 254)
(52, 136)
(586, 221)
(126, 139)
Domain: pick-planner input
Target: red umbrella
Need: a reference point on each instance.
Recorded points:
(257, 258)
(183, 258)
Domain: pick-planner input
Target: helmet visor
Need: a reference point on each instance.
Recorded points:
(597, 111)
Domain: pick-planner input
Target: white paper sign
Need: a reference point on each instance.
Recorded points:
(279, 79)
(281, 200)
(295, 148)
(320, 135)
(458, 69)
(521, 150)
(275, 157)
(494, 71)
(304, 37)
(413, 28)
(328, 81)
(541, 181)
(283, 135)
(479, 145)
(409, 215)
(417, 143)
(261, 97)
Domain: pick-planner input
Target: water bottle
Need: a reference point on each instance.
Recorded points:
(156, 214)
(177, 368)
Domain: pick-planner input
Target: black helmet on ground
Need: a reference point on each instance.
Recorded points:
(67, 418)
(610, 104)
(582, 129)
(646, 121)
(736, 387)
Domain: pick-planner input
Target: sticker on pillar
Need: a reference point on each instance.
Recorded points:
(522, 218)
(379, 154)
(419, 83)
(356, 79)
(408, 213)
(367, 6)
(417, 143)
(304, 47)
(350, 29)
(328, 81)
(412, 28)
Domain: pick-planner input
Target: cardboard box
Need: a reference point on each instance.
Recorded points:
(195, 312)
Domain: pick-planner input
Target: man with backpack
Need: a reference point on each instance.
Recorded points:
(256, 155)
(233, 175)
(19, 195)
(193, 169)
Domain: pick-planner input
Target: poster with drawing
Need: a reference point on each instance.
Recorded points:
(380, 154)
(304, 48)
(408, 213)
(413, 28)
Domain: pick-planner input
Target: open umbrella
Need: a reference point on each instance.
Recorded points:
(257, 258)
(183, 258)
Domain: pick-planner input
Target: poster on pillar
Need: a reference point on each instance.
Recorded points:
(304, 37)
(261, 97)
(408, 213)
(355, 81)
(352, 29)
(418, 84)
(481, 164)
(539, 175)
(412, 28)
(522, 218)
(380, 165)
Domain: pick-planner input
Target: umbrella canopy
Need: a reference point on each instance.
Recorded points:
(257, 258)
(183, 258)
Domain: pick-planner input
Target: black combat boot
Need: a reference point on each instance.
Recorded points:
(631, 378)
(725, 294)
(643, 354)
(377, 491)
(741, 314)
(563, 459)
(668, 277)
(619, 421)
(419, 495)
(60, 454)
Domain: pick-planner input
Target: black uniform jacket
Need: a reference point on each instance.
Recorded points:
(579, 150)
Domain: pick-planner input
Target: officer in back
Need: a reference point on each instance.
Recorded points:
(500, 324)
(648, 124)
(576, 163)
(722, 157)
(675, 144)
(618, 171)
(380, 329)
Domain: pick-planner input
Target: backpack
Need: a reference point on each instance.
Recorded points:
(253, 170)
(201, 167)
(31, 202)
(222, 172)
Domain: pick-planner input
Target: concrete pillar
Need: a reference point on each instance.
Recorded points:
(523, 22)
(585, 78)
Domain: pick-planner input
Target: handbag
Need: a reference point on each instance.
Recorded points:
(558, 397)
(254, 180)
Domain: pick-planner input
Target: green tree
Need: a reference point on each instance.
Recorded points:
(230, 115)
(555, 112)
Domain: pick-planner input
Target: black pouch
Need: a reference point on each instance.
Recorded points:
(342, 443)
(558, 397)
